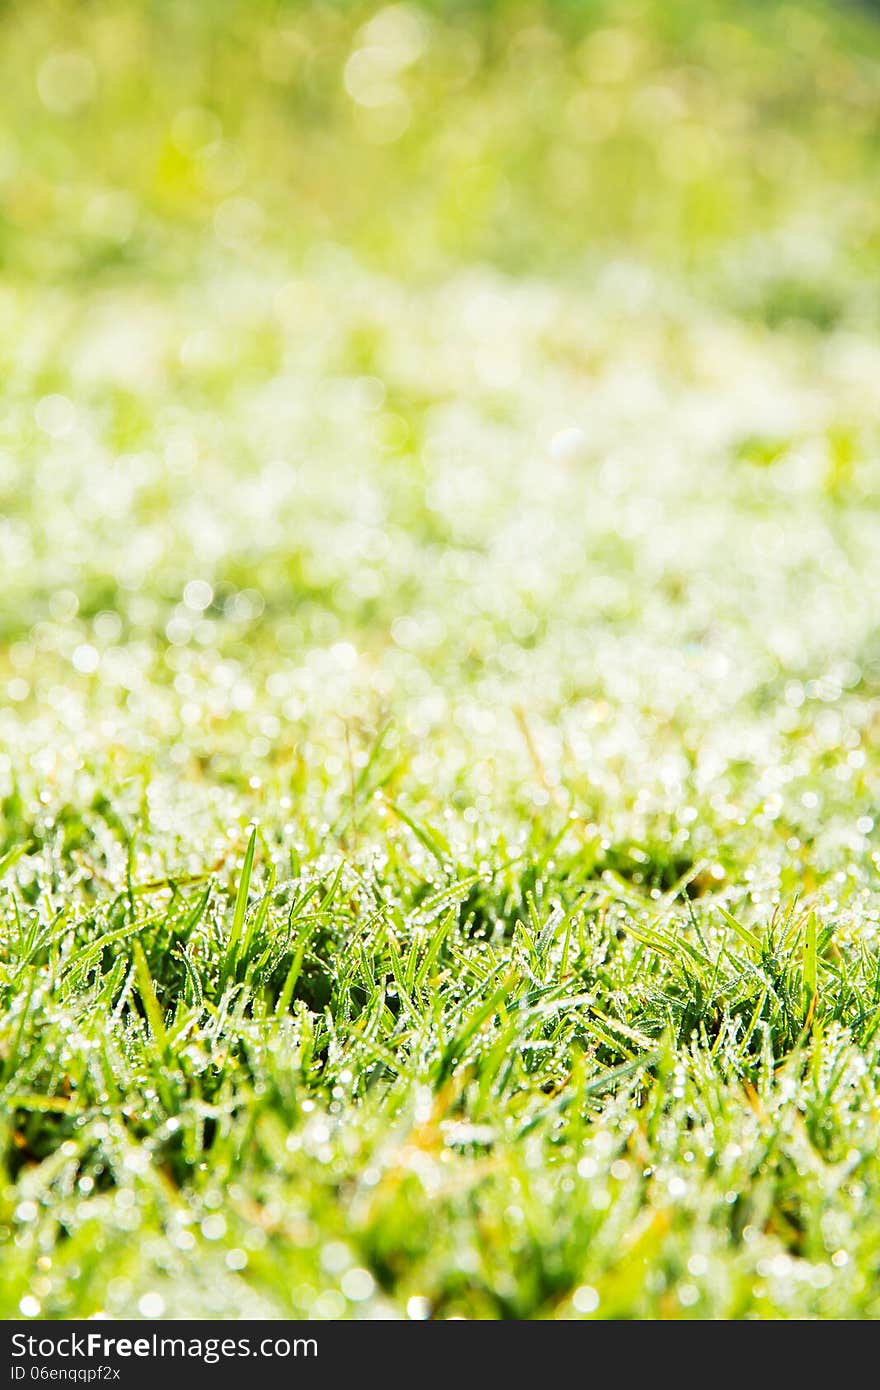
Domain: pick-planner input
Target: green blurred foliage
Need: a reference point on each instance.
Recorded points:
(525, 134)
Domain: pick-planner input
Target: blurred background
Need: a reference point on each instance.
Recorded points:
(733, 141)
(449, 370)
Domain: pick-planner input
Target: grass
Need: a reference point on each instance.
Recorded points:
(438, 658)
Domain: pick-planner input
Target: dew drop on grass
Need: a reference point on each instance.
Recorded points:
(214, 1227)
(585, 1299)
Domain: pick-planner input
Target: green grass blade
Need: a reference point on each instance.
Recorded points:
(240, 911)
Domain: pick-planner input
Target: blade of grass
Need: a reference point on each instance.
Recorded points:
(147, 992)
(238, 916)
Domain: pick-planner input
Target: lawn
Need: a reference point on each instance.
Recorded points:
(439, 659)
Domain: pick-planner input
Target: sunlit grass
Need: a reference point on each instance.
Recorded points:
(439, 661)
